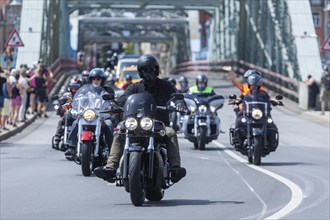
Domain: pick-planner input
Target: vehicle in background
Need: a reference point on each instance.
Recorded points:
(125, 61)
(132, 71)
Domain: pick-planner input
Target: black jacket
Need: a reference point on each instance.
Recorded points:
(161, 92)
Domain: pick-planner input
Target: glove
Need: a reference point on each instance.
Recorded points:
(181, 107)
(274, 103)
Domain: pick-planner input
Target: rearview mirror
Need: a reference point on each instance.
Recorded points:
(279, 97)
(232, 96)
(108, 97)
(55, 97)
(178, 96)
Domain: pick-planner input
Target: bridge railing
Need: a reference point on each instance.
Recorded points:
(62, 66)
(273, 81)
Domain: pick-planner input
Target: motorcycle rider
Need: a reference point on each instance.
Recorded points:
(73, 87)
(161, 90)
(128, 79)
(254, 81)
(96, 78)
(183, 86)
(201, 86)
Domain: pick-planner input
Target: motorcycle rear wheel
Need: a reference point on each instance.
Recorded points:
(136, 180)
(86, 158)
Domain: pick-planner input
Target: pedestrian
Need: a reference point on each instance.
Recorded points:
(23, 88)
(325, 94)
(41, 94)
(15, 99)
(6, 106)
(313, 91)
(3, 81)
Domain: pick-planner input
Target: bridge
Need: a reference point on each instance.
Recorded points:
(275, 37)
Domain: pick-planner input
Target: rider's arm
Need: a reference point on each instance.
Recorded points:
(232, 77)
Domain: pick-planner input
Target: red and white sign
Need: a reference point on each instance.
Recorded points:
(14, 40)
(326, 44)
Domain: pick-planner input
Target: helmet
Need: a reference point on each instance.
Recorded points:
(73, 87)
(254, 79)
(85, 73)
(249, 72)
(183, 79)
(128, 77)
(172, 81)
(97, 72)
(147, 63)
(201, 78)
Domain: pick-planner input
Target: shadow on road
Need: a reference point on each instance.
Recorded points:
(182, 202)
(285, 163)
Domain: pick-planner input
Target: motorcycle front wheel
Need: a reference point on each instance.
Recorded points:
(137, 185)
(86, 158)
(201, 139)
(257, 150)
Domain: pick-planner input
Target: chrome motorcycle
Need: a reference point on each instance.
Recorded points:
(202, 124)
(92, 150)
(253, 139)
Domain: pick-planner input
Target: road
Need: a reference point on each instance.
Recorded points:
(292, 183)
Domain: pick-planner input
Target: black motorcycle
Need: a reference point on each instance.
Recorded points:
(202, 124)
(259, 136)
(144, 167)
(62, 105)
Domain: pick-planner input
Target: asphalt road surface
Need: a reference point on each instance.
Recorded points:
(37, 182)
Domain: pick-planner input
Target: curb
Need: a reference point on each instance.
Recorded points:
(18, 129)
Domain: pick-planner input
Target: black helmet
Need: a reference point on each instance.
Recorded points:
(97, 73)
(249, 72)
(147, 63)
(254, 79)
(201, 78)
(128, 77)
(183, 79)
(172, 81)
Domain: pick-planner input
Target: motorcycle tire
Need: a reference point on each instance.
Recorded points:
(86, 158)
(54, 144)
(201, 139)
(136, 180)
(196, 145)
(155, 195)
(257, 150)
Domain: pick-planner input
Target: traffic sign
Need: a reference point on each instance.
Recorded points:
(14, 40)
(326, 44)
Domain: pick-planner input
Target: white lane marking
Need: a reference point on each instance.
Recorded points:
(264, 205)
(296, 193)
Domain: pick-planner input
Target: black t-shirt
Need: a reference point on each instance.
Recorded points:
(3, 80)
(161, 92)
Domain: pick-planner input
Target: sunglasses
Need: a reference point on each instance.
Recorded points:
(96, 78)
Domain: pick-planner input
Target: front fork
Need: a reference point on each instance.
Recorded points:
(201, 121)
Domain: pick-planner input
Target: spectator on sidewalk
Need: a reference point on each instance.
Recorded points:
(313, 91)
(41, 95)
(3, 81)
(6, 106)
(325, 88)
(15, 99)
(23, 88)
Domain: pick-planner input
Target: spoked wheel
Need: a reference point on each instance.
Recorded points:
(86, 158)
(136, 180)
(54, 143)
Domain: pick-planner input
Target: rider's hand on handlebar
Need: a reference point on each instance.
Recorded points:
(181, 107)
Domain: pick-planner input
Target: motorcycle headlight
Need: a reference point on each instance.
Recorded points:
(256, 113)
(131, 124)
(89, 115)
(202, 108)
(192, 108)
(56, 107)
(146, 123)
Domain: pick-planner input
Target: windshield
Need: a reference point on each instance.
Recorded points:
(88, 97)
(140, 105)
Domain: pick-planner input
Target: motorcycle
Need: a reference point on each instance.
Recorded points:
(202, 125)
(144, 168)
(258, 130)
(62, 106)
(92, 150)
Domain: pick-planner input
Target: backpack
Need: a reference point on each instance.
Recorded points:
(14, 90)
(327, 82)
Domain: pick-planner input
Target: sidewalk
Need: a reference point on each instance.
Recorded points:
(4, 134)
